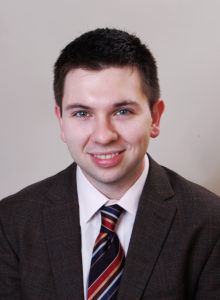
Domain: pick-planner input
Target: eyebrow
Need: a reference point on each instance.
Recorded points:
(125, 103)
(76, 105)
(119, 104)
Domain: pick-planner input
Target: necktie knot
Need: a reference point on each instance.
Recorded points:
(110, 216)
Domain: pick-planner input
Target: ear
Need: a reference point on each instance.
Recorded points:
(59, 117)
(156, 114)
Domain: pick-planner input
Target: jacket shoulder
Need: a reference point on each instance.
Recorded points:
(192, 199)
(37, 194)
(186, 187)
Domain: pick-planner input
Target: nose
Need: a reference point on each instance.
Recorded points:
(104, 132)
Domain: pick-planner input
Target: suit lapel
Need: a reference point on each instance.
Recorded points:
(62, 233)
(153, 221)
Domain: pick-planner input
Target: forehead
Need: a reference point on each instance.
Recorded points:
(106, 71)
(111, 79)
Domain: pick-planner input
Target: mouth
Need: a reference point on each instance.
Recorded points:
(106, 156)
(107, 160)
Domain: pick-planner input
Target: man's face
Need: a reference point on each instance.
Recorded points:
(107, 123)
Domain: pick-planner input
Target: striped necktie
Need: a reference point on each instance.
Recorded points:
(107, 259)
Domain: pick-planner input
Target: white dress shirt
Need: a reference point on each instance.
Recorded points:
(90, 202)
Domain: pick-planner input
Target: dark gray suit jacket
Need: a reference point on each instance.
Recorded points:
(174, 251)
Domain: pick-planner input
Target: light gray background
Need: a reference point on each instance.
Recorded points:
(184, 36)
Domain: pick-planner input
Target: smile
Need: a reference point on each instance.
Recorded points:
(106, 156)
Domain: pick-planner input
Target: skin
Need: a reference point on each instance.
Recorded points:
(107, 123)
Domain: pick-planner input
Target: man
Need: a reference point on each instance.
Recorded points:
(165, 244)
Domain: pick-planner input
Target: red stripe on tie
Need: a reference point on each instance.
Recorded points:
(100, 239)
(108, 224)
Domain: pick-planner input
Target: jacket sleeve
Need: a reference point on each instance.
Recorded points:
(9, 274)
(209, 283)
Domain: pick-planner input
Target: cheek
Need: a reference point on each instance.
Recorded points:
(75, 135)
(69, 133)
(138, 133)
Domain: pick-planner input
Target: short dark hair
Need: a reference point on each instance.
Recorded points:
(102, 48)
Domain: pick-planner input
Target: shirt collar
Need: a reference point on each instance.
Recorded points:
(91, 200)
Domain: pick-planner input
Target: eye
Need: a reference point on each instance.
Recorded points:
(123, 112)
(81, 114)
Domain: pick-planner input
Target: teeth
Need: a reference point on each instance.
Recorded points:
(106, 156)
